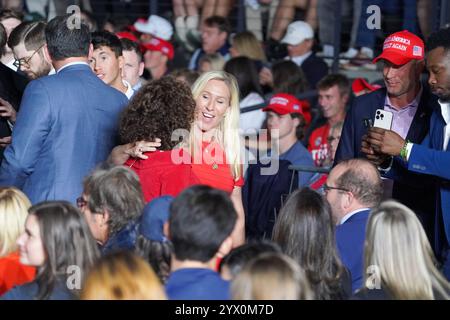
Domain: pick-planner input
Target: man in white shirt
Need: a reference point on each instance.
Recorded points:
(107, 61)
(299, 39)
(133, 68)
(353, 187)
(432, 157)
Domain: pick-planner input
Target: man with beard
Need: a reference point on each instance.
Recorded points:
(27, 42)
(432, 156)
(411, 104)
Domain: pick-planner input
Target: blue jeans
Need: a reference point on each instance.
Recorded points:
(367, 37)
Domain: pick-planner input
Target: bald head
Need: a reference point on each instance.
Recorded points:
(361, 178)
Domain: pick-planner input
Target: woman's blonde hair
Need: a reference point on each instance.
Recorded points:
(216, 61)
(271, 276)
(399, 256)
(122, 276)
(228, 132)
(248, 45)
(14, 206)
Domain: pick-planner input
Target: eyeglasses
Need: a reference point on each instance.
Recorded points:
(81, 202)
(25, 61)
(327, 188)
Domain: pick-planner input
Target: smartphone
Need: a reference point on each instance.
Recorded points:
(383, 119)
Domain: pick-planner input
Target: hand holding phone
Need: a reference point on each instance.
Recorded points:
(383, 119)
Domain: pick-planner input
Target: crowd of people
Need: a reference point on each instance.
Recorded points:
(124, 178)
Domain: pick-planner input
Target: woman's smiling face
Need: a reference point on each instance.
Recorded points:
(212, 104)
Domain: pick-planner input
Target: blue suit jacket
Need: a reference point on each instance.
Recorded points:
(429, 158)
(409, 188)
(350, 238)
(67, 124)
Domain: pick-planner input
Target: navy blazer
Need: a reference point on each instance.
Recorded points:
(315, 69)
(350, 238)
(67, 124)
(411, 189)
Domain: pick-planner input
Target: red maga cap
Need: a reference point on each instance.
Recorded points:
(156, 44)
(283, 103)
(401, 47)
(360, 84)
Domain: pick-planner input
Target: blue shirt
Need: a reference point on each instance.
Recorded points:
(197, 284)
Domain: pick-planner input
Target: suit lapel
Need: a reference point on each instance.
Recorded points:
(421, 122)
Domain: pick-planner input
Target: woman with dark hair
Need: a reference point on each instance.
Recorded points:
(245, 72)
(58, 242)
(159, 109)
(304, 230)
(288, 78)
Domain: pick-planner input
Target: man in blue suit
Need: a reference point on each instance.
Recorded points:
(411, 105)
(432, 156)
(67, 122)
(353, 187)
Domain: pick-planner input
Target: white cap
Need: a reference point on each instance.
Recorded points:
(156, 26)
(297, 32)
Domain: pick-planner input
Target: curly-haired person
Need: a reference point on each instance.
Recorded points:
(163, 109)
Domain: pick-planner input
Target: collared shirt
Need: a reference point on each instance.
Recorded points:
(71, 64)
(350, 214)
(138, 85)
(298, 60)
(402, 118)
(130, 92)
(11, 65)
(445, 110)
(224, 51)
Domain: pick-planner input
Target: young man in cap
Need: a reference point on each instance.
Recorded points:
(157, 54)
(285, 122)
(411, 105)
(107, 61)
(299, 38)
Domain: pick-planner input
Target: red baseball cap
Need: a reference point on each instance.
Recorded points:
(127, 35)
(156, 44)
(360, 84)
(283, 103)
(401, 47)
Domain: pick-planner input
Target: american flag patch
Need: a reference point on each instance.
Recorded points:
(417, 51)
